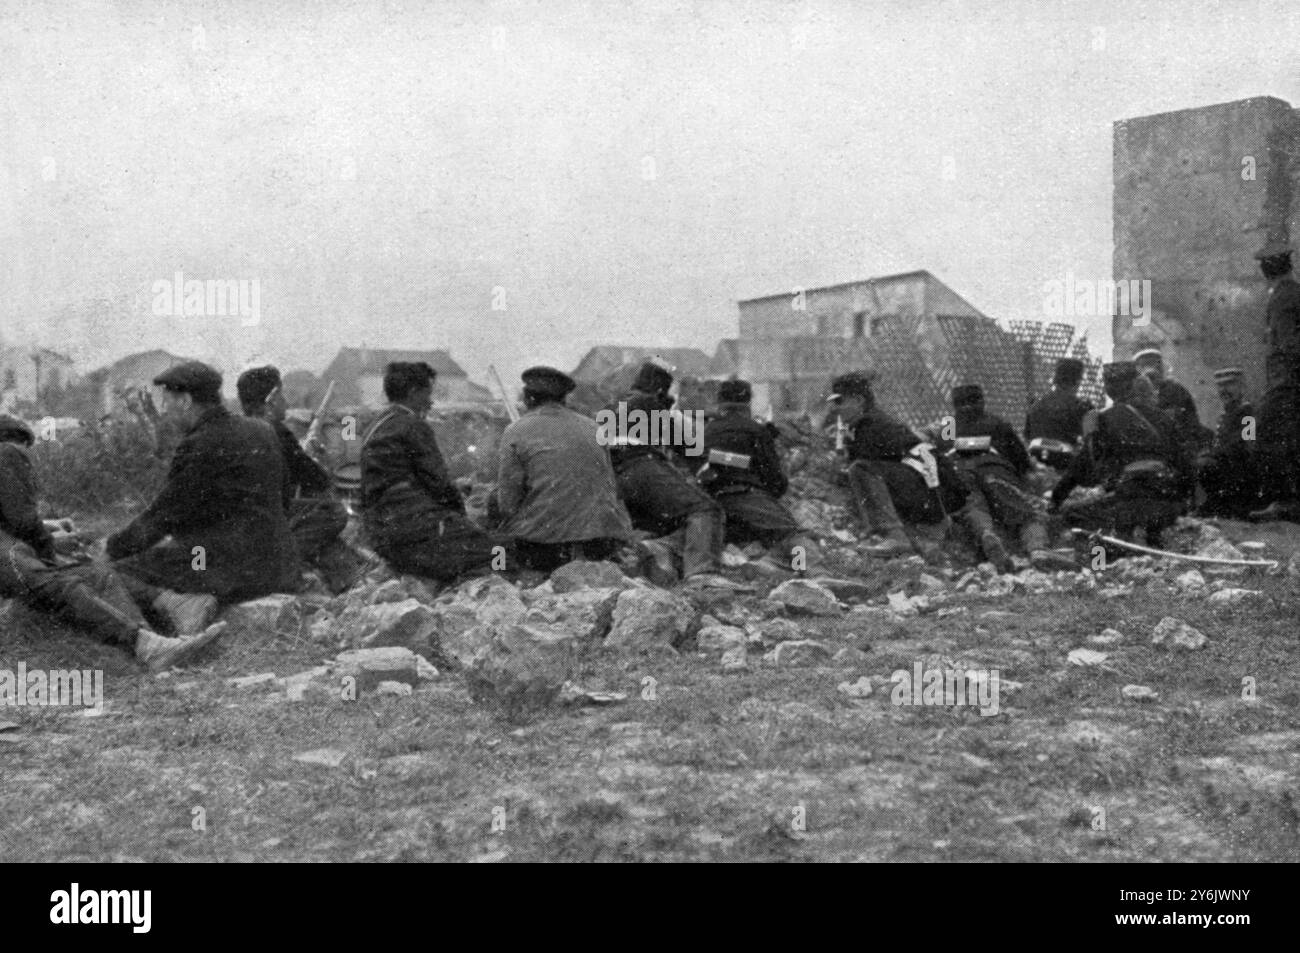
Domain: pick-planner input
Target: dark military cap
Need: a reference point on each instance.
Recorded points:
(964, 394)
(654, 376)
(1225, 374)
(735, 392)
(1119, 373)
(853, 384)
(1273, 249)
(192, 377)
(256, 384)
(14, 430)
(547, 382)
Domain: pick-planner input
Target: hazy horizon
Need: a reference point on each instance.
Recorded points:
(612, 174)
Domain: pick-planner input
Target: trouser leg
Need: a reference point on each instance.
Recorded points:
(89, 596)
(459, 548)
(874, 502)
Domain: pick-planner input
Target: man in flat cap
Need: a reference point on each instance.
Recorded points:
(217, 528)
(1054, 425)
(661, 499)
(413, 514)
(555, 485)
(742, 471)
(987, 452)
(89, 595)
(1227, 471)
(316, 518)
(1278, 434)
(893, 473)
(1135, 454)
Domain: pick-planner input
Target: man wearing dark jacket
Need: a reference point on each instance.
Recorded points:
(989, 454)
(412, 512)
(743, 473)
(660, 499)
(894, 476)
(217, 528)
(89, 595)
(1136, 455)
(1054, 425)
(316, 518)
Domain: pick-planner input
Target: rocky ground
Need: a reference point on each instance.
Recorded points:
(1145, 710)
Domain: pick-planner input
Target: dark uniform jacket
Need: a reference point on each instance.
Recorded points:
(639, 403)
(303, 476)
(19, 518)
(224, 493)
(406, 491)
(878, 436)
(1174, 399)
(1057, 416)
(1229, 444)
(738, 433)
(1003, 441)
(1124, 435)
(1283, 317)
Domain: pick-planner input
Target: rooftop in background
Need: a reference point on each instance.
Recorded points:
(600, 361)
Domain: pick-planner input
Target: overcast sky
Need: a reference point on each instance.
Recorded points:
(609, 172)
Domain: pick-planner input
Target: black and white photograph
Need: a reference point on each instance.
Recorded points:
(651, 431)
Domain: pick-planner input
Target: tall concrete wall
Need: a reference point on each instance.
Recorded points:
(1196, 193)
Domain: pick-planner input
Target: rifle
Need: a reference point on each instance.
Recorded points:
(511, 409)
(317, 419)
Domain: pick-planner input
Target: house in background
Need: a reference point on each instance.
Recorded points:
(605, 359)
(27, 375)
(358, 374)
(131, 373)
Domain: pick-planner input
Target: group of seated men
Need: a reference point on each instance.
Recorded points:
(244, 504)
(241, 505)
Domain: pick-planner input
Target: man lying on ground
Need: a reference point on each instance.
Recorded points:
(88, 595)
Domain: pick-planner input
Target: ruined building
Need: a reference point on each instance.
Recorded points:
(913, 333)
(1196, 193)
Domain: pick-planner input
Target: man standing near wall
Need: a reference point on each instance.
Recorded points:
(1279, 413)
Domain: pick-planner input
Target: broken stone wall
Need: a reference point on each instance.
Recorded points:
(1196, 193)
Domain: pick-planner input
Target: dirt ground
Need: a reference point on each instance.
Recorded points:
(697, 763)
